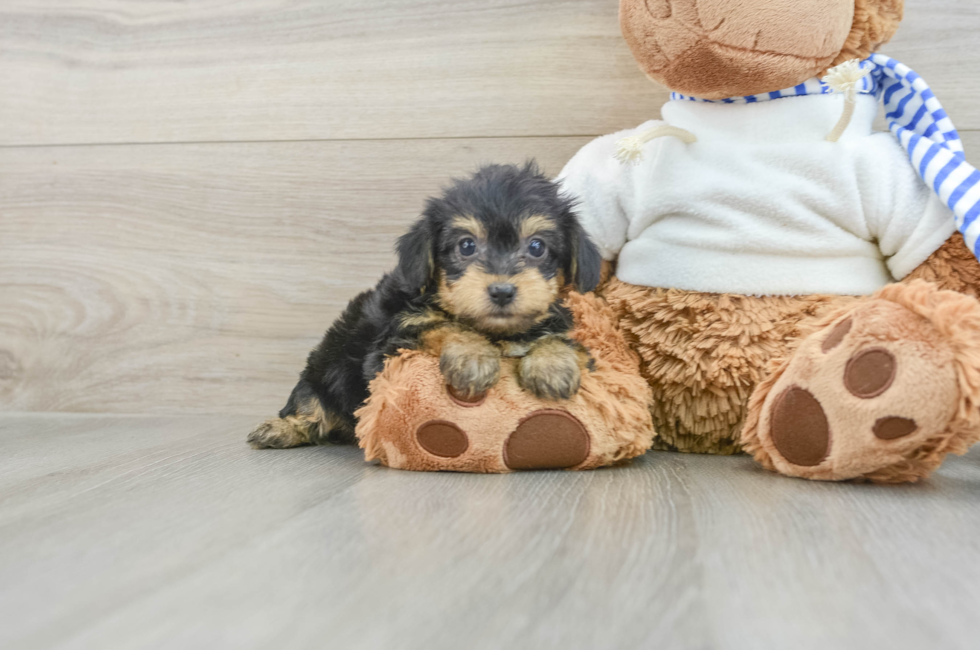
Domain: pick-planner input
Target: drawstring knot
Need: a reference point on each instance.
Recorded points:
(629, 150)
(844, 79)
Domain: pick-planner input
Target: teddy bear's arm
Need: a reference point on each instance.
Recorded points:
(904, 216)
(952, 267)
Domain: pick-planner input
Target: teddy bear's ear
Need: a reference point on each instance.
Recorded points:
(875, 22)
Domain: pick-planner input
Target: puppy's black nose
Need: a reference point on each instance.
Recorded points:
(502, 293)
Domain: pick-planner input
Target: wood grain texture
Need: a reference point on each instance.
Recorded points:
(195, 278)
(112, 71)
(96, 71)
(169, 532)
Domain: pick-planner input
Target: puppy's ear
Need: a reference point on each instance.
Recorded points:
(416, 256)
(586, 262)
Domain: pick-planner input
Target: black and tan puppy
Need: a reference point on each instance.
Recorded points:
(479, 276)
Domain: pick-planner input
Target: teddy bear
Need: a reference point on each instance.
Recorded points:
(796, 285)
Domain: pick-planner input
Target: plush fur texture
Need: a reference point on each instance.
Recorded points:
(703, 353)
(934, 339)
(874, 24)
(725, 48)
(951, 267)
(479, 276)
(613, 404)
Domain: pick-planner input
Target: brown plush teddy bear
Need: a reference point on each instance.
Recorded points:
(792, 281)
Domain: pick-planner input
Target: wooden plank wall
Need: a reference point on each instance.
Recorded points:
(190, 192)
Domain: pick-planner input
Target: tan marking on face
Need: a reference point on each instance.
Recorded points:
(467, 299)
(534, 224)
(535, 294)
(471, 225)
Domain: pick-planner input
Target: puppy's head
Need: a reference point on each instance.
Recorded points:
(499, 247)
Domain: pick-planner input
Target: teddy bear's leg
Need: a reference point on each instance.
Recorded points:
(703, 353)
(881, 391)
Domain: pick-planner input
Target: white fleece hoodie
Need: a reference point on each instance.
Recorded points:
(761, 204)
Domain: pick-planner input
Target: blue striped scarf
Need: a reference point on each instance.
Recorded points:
(921, 125)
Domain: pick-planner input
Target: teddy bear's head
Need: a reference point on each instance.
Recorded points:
(727, 48)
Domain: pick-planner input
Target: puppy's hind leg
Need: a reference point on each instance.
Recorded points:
(303, 421)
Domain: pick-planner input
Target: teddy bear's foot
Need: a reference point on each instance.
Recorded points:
(545, 439)
(883, 391)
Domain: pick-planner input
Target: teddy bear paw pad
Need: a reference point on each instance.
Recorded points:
(442, 438)
(869, 373)
(547, 439)
(799, 427)
(893, 428)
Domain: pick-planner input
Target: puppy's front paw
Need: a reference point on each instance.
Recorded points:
(552, 370)
(470, 364)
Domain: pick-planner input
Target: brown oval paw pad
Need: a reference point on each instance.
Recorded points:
(442, 438)
(869, 373)
(836, 335)
(799, 427)
(547, 439)
(894, 427)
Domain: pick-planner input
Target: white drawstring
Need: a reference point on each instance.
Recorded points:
(630, 150)
(844, 79)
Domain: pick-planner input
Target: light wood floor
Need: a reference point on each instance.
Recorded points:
(169, 532)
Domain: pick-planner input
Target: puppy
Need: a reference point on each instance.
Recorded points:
(479, 276)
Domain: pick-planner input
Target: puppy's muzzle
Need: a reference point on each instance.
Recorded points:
(502, 293)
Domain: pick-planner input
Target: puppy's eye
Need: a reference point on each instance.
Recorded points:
(536, 248)
(467, 247)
